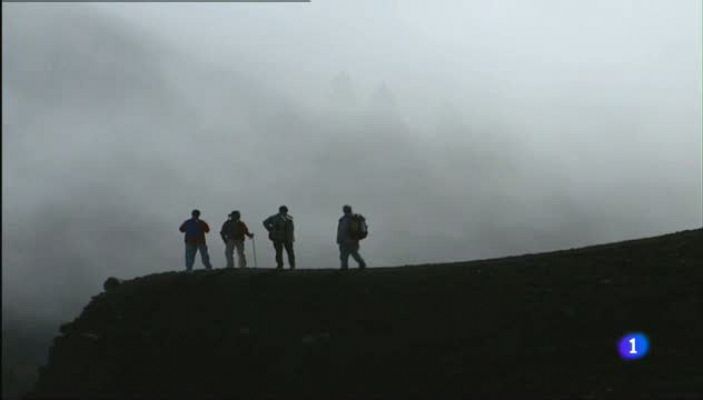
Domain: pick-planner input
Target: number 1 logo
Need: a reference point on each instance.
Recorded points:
(633, 342)
(633, 346)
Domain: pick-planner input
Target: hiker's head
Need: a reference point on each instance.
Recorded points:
(195, 214)
(283, 210)
(347, 209)
(235, 215)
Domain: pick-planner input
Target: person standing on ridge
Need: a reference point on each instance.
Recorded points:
(195, 230)
(233, 232)
(350, 230)
(280, 228)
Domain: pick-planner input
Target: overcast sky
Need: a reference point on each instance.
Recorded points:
(465, 130)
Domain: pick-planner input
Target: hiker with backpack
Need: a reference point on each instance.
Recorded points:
(233, 233)
(280, 228)
(351, 229)
(195, 230)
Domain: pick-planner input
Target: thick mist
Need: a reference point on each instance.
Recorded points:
(461, 131)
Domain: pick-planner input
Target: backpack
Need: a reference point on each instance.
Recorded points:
(358, 229)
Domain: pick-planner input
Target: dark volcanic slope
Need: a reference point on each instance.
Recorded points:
(541, 324)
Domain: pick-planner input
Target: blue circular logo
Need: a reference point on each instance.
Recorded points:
(633, 346)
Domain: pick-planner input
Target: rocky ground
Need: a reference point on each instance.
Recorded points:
(543, 325)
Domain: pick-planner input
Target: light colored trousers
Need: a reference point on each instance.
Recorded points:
(229, 253)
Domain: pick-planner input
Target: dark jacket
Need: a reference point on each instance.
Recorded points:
(280, 228)
(195, 230)
(235, 230)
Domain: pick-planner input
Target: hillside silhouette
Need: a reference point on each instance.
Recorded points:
(534, 325)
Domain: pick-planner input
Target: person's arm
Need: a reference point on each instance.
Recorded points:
(246, 230)
(268, 224)
(206, 227)
(339, 232)
(183, 227)
(223, 232)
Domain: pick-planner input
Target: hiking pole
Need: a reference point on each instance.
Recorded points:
(253, 246)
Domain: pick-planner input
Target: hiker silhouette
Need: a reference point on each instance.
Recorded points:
(280, 228)
(233, 233)
(195, 230)
(350, 230)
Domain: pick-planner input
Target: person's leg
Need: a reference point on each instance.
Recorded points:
(190, 256)
(205, 256)
(291, 254)
(229, 256)
(344, 256)
(279, 254)
(357, 257)
(241, 258)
